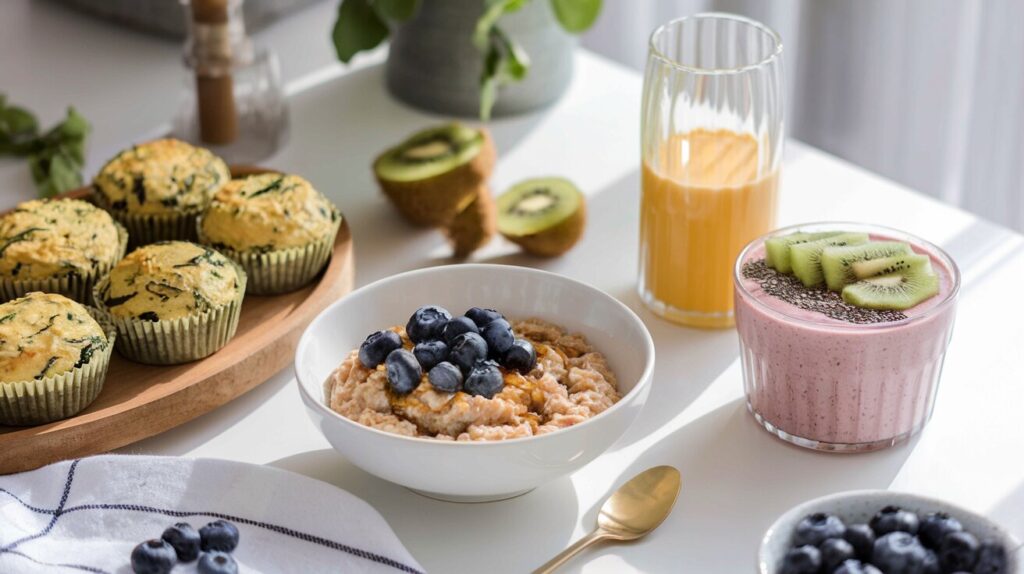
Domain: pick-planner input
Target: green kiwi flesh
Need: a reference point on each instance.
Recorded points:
(836, 261)
(429, 153)
(776, 249)
(886, 265)
(897, 291)
(806, 257)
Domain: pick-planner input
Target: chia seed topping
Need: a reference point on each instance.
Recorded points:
(819, 300)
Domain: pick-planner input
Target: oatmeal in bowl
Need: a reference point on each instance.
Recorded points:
(482, 406)
(446, 387)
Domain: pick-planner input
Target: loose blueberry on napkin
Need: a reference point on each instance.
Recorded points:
(182, 543)
(895, 541)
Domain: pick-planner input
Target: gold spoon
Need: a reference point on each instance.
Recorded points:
(632, 511)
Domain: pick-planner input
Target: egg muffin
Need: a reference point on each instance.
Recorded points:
(276, 226)
(53, 358)
(157, 189)
(172, 302)
(57, 246)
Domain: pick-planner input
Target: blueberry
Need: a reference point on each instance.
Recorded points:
(499, 336)
(521, 356)
(856, 567)
(899, 553)
(404, 371)
(483, 316)
(430, 353)
(959, 551)
(834, 552)
(935, 527)
(466, 350)
(217, 563)
(991, 559)
(931, 562)
(427, 323)
(184, 539)
(376, 347)
(219, 535)
(458, 326)
(893, 519)
(445, 377)
(801, 560)
(484, 380)
(816, 528)
(862, 538)
(153, 557)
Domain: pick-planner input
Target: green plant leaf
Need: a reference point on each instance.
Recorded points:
(74, 126)
(357, 28)
(55, 158)
(64, 173)
(397, 10)
(17, 122)
(517, 62)
(493, 11)
(576, 15)
(505, 62)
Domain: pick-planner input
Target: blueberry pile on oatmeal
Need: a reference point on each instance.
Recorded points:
(474, 377)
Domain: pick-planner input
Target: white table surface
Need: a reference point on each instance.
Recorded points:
(736, 478)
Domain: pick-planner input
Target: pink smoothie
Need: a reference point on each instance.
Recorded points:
(832, 385)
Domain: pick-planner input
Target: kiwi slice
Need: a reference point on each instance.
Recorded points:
(886, 265)
(544, 216)
(806, 257)
(434, 174)
(895, 291)
(835, 261)
(776, 249)
(474, 226)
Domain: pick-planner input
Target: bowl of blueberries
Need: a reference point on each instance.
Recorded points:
(885, 532)
(445, 332)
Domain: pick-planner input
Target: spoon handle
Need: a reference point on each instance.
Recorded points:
(564, 556)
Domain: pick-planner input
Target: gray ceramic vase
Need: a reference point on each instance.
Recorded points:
(433, 64)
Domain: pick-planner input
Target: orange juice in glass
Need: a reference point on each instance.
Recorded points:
(711, 147)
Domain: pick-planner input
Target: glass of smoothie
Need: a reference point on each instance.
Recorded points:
(711, 145)
(843, 330)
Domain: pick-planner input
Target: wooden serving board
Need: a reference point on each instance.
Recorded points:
(139, 401)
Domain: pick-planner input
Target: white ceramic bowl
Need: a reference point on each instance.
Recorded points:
(476, 471)
(858, 506)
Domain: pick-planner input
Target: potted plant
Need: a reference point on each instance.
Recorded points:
(455, 56)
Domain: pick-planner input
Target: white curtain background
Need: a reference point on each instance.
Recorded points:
(929, 93)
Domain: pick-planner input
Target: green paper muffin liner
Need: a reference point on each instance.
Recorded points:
(175, 341)
(146, 228)
(75, 286)
(282, 270)
(36, 402)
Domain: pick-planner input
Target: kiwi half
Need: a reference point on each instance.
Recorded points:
(836, 261)
(474, 226)
(776, 249)
(434, 174)
(806, 257)
(897, 291)
(544, 216)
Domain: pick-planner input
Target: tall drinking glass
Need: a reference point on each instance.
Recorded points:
(711, 145)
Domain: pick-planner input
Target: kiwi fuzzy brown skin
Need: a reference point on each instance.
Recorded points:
(556, 240)
(434, 202)
(475, 225)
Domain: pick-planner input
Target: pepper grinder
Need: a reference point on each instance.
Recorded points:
(232, 101)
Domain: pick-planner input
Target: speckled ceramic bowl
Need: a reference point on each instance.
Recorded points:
(858, 506)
